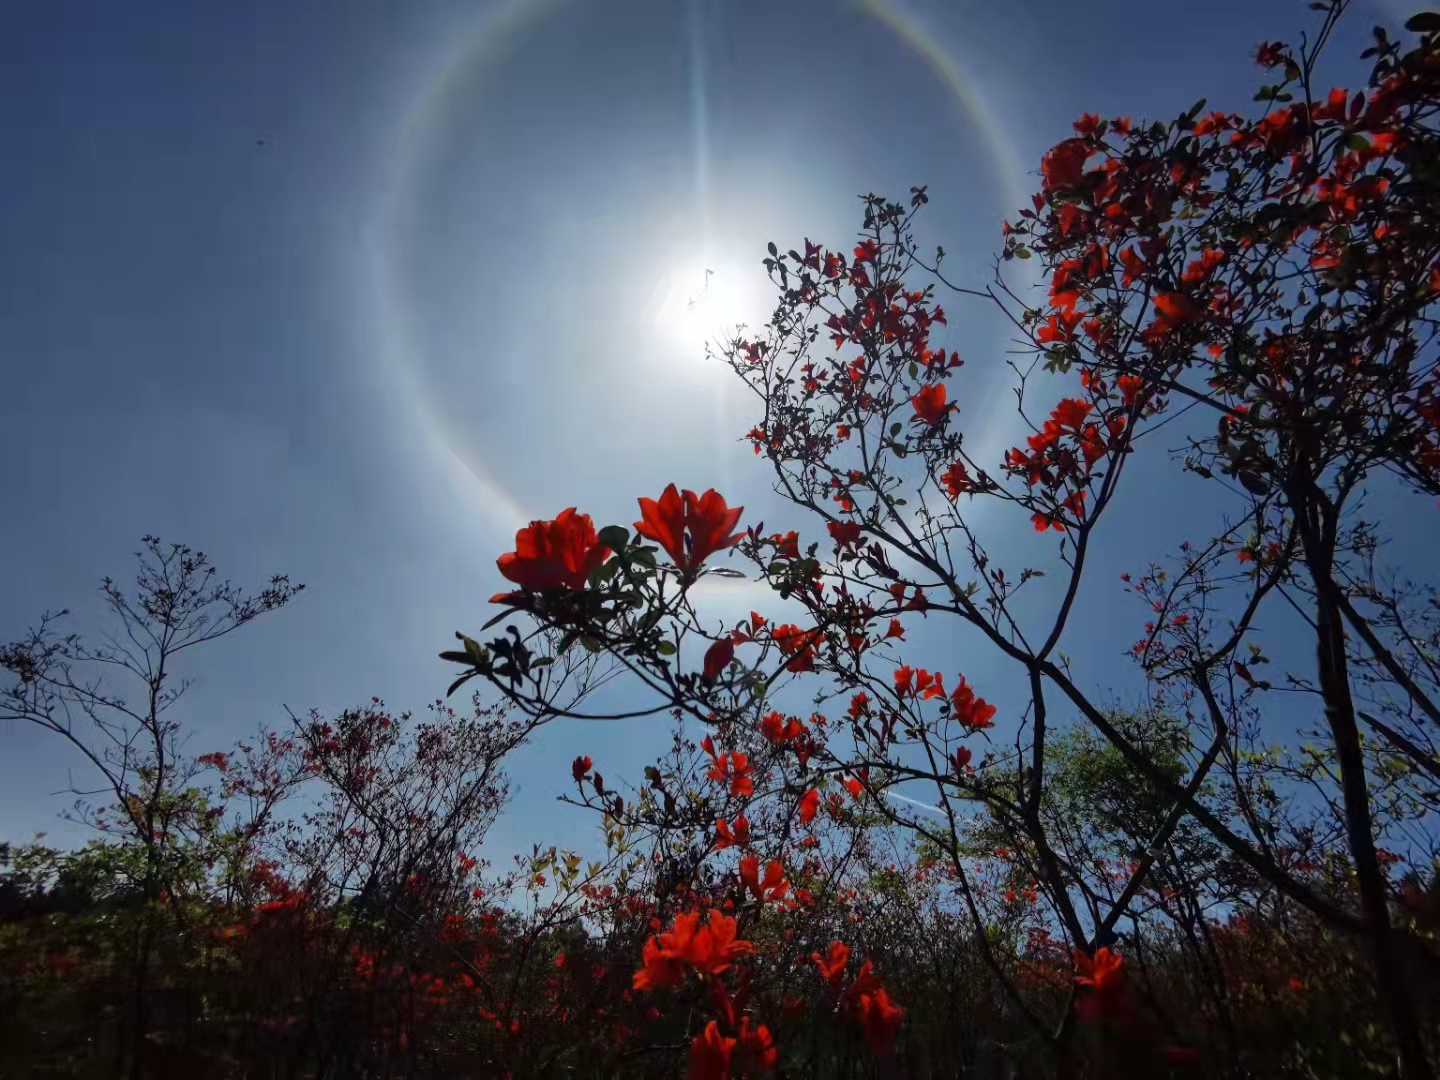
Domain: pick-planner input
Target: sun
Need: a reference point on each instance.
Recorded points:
(696, 305)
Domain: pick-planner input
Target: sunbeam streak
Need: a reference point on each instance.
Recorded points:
(916, 803)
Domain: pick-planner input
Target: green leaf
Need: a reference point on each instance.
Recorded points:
(1022, 252)
(1426, 22)
(774, 251)
(590, 644)
(895, 429)
(498, 618)
(665, 648)
(615, 537)
(461, 681)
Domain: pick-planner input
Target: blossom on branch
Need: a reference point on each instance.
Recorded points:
(689, 527)
(558, 554)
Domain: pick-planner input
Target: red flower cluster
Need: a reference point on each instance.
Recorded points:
(732, 836)
(781, 729)
(919, 683)
(714, 1055)
(809, 806)
(956, 480)
(708, 948)
(1063, 453)
(930, 404)
(799, 645)
(974, 713)
(559, 554)
(732, 769)
(1064, 165)
(1103, 973)
(1108, 994)
(866, 1000)
(772, 886)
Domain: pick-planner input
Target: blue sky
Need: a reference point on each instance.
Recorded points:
(347, 291)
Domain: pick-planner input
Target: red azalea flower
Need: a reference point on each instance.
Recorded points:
(780, 729)
(716, 945)
(732, 836)
(733, 769)
(809, 806)
(975, 713)
(832, 966)
(1134, 267)
(663, 959)
(797, 644)
(1130, 386)
(1103, 972)
(1064, 165)
(930, 404)
(880, 1018)
(1060, 326)
(956, 480)
(689, 527)
(710, 1054)
(1173, 310)
(709, 949)
(772, 886)
(757, 1050)
(554, 554)
(787, 546)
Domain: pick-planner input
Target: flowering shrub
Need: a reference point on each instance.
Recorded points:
(1277, 274)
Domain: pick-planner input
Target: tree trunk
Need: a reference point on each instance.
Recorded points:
(140, 989)
(1334, 677)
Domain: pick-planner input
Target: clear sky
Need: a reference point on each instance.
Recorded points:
(349, 290)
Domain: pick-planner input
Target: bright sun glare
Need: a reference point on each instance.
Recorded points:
(696, 305)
